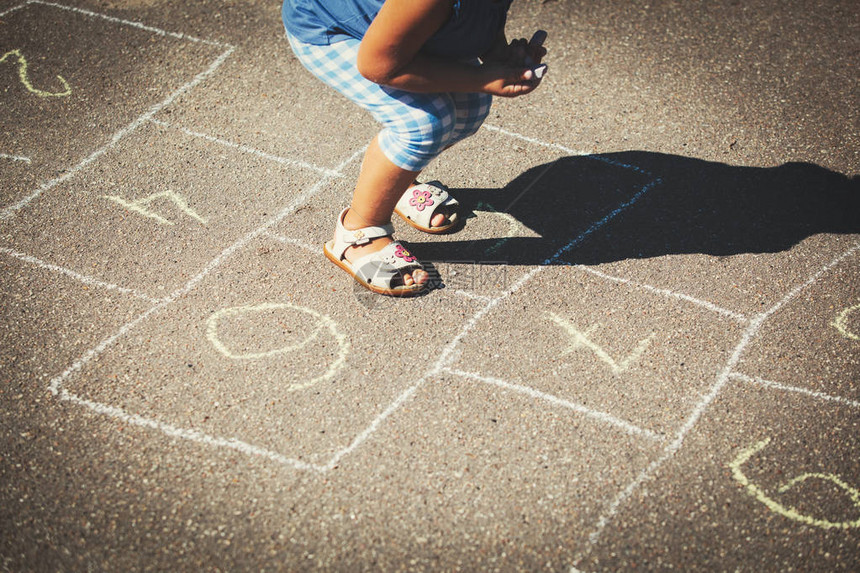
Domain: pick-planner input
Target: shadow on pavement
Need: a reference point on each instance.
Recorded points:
(682, 205)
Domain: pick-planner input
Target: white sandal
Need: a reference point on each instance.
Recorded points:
(377, 271)
(421, 201)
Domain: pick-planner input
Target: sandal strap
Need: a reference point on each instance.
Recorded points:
(345, 238)
(421, 201)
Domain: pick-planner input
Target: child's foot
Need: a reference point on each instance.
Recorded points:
(428, 207)
(354, 253)
(374, 259)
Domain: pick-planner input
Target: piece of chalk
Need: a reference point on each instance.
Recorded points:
(539, 71)
(538, 38)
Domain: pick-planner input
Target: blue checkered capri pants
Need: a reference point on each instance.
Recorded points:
(417, 127)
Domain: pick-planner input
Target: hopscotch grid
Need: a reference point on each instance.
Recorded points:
(754, 380)
(698, 411)
(250, 150)
(448, 352)
(9, 211)
(85, 279)
(605, 417)
(446, 356)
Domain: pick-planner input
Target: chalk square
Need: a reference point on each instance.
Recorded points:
(619, 355)
(738, 237)
(155, 221)
(751, 488)
(517, 481)
(271, 356)
(813, 341)
(50, 319)
(103, 63)
(275, 106)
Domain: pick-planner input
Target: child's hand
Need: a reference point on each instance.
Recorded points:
(508, 81)
(510, 66)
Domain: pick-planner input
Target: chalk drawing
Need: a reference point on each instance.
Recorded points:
(752, 330)
(513, 225)
(22, 75)
(15, 157)
(580, 339)
(322, 323)
(790, 512)
(841, 322)
(140, 206)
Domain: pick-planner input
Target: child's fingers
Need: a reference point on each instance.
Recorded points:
(509, 81)
(521, 82)
(535, 48)
(517, 52)
(536, 53)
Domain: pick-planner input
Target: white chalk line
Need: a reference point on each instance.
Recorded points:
(184, 433)
(599, 224)
(250, 150)
(295, 242)
(20, 158)
(583, 154)
(710, 306)
(56, 384)
(87, 280)
(10, 211)
(13, 9)
(796, 389)
(437, 368)
(724, 376)
(605, 417)
(132, 24)
(669, 293)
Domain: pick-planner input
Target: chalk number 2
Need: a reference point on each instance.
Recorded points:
(16, 55)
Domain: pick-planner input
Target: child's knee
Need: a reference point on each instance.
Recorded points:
(471, 115)
(415, 141)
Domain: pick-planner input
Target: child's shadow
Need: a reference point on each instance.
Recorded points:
(637, 204)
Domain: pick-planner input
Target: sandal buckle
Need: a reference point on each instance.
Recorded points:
(359, 238)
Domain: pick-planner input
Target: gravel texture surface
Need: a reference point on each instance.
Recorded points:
(642, 351)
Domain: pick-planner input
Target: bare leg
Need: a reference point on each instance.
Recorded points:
(380, 185)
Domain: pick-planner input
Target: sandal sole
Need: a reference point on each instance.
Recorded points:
(401, 292)
(430, 230)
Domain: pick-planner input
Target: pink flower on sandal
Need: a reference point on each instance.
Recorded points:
(400, 251)
(420, 199)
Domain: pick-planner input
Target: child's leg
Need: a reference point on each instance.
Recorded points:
(380, 184)
(417, 127)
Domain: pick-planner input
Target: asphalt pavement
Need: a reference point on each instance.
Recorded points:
(641, 351)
